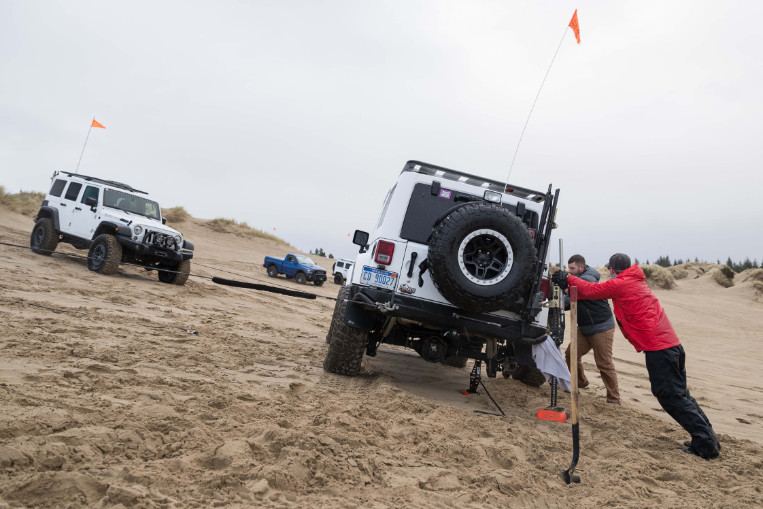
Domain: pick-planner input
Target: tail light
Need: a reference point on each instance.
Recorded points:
(532, 233)
(384, 252)
(544, 286)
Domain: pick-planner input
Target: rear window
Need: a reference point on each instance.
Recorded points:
(58, 187)
(425, 210)
(73, 191)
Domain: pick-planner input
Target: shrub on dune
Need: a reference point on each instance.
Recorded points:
(659, 277)
(240, 229)
(176, 215)
(723, 275)
(23, 202)
(678, 271)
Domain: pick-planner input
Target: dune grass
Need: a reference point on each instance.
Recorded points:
(678, 271)
(240, 229)
(176, 215)
(659, 277)
(23, 202)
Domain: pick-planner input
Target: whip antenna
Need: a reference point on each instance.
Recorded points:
(574, 25)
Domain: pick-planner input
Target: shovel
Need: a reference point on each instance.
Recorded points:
(568, 475)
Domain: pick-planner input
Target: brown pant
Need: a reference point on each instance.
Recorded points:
(601, 344)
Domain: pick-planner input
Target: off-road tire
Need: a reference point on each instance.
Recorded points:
(178, 278)
(105, 254)
(529, 375)
(44, 238)
(318, 283)
(300, 278)
(272, 270)
(456, 361)
(346, 345)
(493, 247)
(338, 279)
(344, 292)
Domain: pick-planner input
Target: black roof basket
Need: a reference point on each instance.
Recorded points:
(493, 185)
(107, 182)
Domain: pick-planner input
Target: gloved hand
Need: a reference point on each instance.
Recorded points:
(559, 278)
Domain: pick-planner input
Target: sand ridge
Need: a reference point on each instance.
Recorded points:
(106, 402)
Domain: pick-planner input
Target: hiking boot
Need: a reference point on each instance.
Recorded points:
(691, 450)
(584, 384)
(688, 444)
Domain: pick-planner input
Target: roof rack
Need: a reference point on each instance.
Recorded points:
(107, 182)
(493, 185)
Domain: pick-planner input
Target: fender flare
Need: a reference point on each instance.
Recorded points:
(50, 212)
(112, 228)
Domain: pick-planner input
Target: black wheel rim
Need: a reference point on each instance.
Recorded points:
(485, 257)
(99, 255)
(39, 235)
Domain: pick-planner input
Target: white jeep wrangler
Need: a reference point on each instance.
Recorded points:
(341, 270)
(115, 222)
(454, 270)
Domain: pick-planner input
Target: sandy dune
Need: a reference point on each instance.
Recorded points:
(107, 402)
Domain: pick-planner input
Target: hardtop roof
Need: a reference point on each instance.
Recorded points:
(493, 185)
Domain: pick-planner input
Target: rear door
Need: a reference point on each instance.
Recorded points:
(82, 221)
(66, 204)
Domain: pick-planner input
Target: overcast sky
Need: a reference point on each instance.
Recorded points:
(299, 115)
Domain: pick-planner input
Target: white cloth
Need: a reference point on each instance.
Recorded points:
(550, 361)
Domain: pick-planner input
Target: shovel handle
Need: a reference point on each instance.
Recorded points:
(574, 352)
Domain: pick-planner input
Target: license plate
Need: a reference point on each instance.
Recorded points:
(379, 278)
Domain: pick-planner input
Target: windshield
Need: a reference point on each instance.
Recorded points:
(305, 260)
(131, 203)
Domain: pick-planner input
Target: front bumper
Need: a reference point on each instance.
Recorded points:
(149, 251)
(363, 313)
(320, 276)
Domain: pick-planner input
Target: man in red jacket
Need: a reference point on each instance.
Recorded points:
(645, 325)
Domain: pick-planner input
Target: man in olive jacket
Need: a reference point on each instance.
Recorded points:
(596, 331)
(643, 322)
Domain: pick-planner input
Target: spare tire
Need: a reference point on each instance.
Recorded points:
(482, 258)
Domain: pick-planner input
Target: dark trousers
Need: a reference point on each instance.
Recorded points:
(667, 374)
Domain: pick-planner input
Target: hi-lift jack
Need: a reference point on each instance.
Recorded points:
(475, 380)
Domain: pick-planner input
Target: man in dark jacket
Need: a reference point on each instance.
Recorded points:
(596, 331)
(645, 325)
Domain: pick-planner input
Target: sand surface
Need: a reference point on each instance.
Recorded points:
(107, 402)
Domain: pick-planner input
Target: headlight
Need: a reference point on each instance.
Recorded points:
(159, 239)
(169, 242)
(309, 271)
(178, 240)
(137, 230)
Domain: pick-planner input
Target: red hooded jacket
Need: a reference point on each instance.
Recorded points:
(639, 314)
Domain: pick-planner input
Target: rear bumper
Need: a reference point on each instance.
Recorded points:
(363, 313)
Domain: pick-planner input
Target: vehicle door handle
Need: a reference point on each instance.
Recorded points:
(77, 208)
(413, 260)
(63, 205)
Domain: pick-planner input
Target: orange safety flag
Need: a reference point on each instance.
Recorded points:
(574, 25)
(97, 124)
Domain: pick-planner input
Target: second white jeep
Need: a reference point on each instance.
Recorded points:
(115, 222)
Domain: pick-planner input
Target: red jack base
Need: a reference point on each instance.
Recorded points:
(552, 414)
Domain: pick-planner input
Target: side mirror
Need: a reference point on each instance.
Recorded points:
(91, 202)
(361, 239)
(164, 220)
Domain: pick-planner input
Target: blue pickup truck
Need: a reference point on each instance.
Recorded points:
(299, 267)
